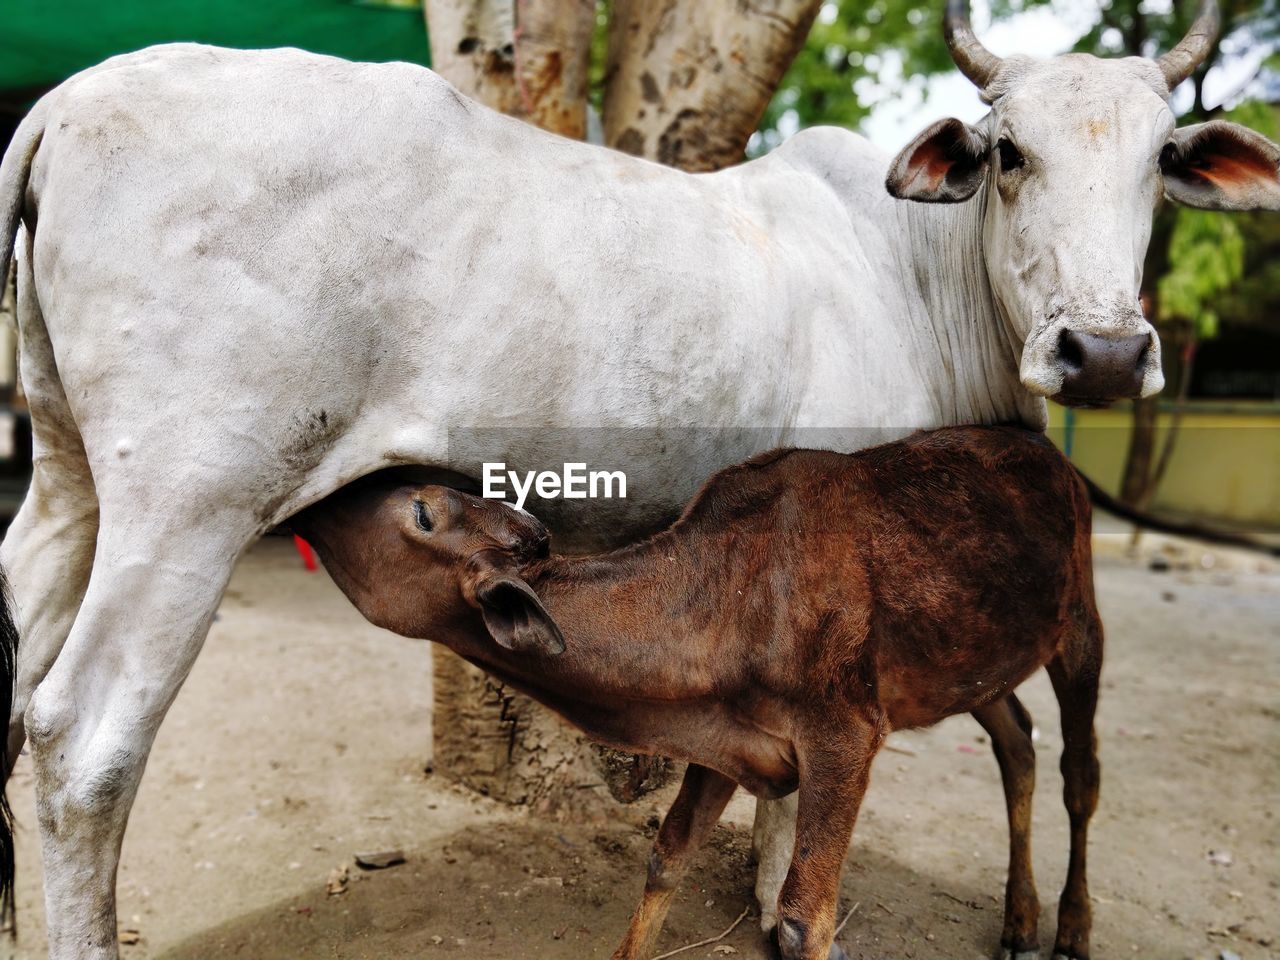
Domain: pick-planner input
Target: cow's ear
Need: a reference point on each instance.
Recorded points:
(1221, 166)
(944, 164)
(515, 617)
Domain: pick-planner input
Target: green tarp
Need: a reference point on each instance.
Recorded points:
(44, 41)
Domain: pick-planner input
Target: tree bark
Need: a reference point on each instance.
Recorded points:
(526, 58)
(688, 80)
(553, 61)
(473, 47)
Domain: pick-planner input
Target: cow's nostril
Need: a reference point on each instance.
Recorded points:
(1098, 369)
(1069, 350)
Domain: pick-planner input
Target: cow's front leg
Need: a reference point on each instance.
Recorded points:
(835, 765)
(91, 722)
(697, 808)
(773, 838)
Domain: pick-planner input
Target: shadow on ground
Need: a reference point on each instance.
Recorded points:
(551, 892)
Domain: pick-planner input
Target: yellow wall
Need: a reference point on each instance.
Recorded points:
(1226, 460)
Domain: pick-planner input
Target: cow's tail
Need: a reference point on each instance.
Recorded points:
(15, 170)
(8, 668)
(1180, 528)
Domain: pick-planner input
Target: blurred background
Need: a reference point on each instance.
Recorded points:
(1209, 447)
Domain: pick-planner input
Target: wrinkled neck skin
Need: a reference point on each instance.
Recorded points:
(949, 272)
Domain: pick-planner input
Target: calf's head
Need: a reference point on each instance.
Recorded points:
(1070, 164)
(425, 560)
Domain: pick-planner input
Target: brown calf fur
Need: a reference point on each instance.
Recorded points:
(804, 605)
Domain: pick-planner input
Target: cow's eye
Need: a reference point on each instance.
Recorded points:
(421, 516)
(1010, 157)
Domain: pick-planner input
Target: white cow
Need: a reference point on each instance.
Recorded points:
(248, 278)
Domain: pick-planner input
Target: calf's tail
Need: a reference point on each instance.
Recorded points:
(1180, 528)
(8, 667)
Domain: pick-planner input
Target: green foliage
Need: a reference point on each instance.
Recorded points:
(599, 54)
(1206, 258)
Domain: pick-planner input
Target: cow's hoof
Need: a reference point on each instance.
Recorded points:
(1069, 955)
(775, 951)
(1008, 953)
(771, 943)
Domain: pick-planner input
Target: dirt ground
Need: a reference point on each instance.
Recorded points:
(301, 737)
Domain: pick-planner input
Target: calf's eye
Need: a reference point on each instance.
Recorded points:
(421, 516)
(1010, 157)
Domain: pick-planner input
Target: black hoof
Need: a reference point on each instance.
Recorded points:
(775, 949)
(771, 948)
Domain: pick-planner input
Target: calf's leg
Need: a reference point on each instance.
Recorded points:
(702, 798)
(1009, 726)
(1075, 681)
(835, 766)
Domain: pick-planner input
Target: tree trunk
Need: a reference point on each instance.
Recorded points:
(530, 59)
(553, 60)
(526, 58)
(1142, 442)
(688, 80)
(1185, 371)
(473, 47)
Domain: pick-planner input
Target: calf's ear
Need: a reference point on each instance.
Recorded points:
(515, 617)
(1221, 166)
(944, 164)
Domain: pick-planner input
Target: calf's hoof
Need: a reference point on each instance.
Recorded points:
(1008, 953)
(1068, 954)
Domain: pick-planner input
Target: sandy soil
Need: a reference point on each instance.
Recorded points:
(301, 739)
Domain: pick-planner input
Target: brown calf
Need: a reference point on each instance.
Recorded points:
(804, 605)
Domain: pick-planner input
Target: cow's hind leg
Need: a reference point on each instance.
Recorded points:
(697, 808)
(91, 722)
(1009, 726)
(47, 555)
(1075, 681)
(48, 550)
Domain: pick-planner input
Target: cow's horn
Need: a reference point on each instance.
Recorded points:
(1180, 62)
(974, 60)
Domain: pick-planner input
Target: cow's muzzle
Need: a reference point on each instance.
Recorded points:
(1097, 370)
